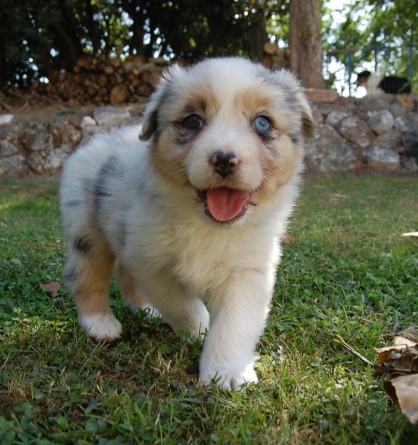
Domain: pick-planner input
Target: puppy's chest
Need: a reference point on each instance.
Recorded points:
(212, 263)
(198, 257)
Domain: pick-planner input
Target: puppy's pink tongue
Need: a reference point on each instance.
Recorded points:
(225, 204)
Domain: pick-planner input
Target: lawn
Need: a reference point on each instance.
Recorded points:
(348, 272)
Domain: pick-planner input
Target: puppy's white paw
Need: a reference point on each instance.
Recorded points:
(227, 379)
(101, 327)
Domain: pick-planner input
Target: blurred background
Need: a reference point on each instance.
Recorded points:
(41, 40)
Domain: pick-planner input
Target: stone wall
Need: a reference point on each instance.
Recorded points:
(376, 134)
(373, 133)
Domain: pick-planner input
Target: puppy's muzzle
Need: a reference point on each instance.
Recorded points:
(225, 162)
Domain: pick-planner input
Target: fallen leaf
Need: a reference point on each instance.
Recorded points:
(400, 358)
(288, 239)
(411, 333)
(403, 341)
(400, 361)
(403, 391)
(51, 288)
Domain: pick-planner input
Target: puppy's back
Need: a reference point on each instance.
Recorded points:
(91, 171)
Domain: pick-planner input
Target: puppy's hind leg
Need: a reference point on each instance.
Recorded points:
(132, 297)
(87, 275)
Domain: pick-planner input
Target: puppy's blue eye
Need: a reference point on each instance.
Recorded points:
(193, 122)
(262, 124)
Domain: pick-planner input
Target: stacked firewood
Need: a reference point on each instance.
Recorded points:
(99, 80)
(275, 58)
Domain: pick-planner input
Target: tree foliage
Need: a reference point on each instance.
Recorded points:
(381, 32)
(37, 36)
(51, 34)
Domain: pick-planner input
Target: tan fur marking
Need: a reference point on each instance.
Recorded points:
(201, 100)
(91, 289)
(130, 293)
(169, 162)
(260, 100)
(279, 170)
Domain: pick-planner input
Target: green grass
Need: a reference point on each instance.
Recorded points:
(348, 272)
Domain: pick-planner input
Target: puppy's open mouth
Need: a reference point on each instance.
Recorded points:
(224, 204)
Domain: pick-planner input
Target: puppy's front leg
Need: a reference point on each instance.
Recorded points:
(238, 310)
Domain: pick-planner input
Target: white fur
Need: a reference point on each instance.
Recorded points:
(101, 327)
(157, 229)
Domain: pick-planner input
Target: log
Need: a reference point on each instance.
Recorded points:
(155, 78)
(84, 62)
(62, 76)
(160, 61)
(135, 82)
(136, 59)
(270, 48)
(267, 61)
(115, 62)
(92, 90)
(143, 90)
(109, 69)
(101, 80)
(144, 76)
(119, 95)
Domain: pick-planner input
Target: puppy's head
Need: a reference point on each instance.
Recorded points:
(230, 131)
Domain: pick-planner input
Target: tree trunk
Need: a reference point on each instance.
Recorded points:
(305, 42)
(257, 37)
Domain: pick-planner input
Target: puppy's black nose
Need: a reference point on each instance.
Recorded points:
(224, 162)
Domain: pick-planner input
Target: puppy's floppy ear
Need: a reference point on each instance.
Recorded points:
(294, 95)
(309, 129)
(149, 124)
(157, 100)
(150, 121)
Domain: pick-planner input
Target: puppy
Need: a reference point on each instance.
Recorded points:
(192, 211)
(377, 84)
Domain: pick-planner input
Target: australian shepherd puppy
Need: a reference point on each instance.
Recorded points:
(191, 209)
(377, 84)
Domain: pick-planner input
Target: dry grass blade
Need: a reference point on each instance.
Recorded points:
(338, 340)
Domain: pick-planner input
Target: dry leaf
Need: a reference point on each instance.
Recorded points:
(51, 288)
(403, 391)
(403, 341)
(288, 239)
(401, 358)
(411, 333)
